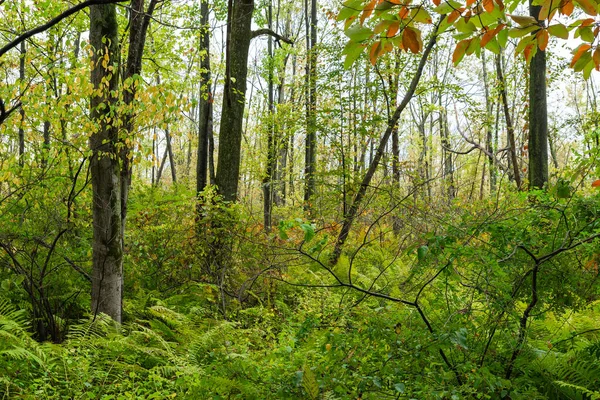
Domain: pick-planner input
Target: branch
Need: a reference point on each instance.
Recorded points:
(5, 114)
(267, 31)
(53, 22)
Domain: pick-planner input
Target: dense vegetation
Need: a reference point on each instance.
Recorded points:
(294, 252)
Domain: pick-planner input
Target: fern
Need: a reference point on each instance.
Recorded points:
(309, 383)
(580, 390)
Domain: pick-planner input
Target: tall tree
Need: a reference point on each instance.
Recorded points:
(239, 21)
(538, 114)
(310, 159)
(205, 120)
(107, 256)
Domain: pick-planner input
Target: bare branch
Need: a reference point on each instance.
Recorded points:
(266, 31)
(53, 22)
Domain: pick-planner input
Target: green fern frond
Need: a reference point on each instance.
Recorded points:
(580, 390)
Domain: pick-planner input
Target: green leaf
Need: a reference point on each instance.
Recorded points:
(520, 32)
(400, 387)
(358, 33)
(447, 7)
(559, 30)
(493, 46)
(349, 9)
(352, 51)
(503, 38)
(309, 231)
(422, 252)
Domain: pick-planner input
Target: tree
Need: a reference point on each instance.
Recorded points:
(107, 256)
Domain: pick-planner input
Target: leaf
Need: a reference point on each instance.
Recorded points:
(447, 7)
(545, 10)
(579, 52)
(559, 30)
(374, 52)
(520, 32)
(596, 57)
(400, 387)
(349, 8)
(523, 20)
(503, 37)
(587, 6)
(567, 8)
(404, 12)
(352, 50)
(542, 39)
(410, 40)
(522, 44)
(493, 46)
(453, 16)
(584, 60)
(421, 15)
(529, 52)
(422, 252)
(488, 5)
(309, 231)
(596, 183)
(393, 29)
(586, 34)
(358, 33)
(367, 11)
(459, 51)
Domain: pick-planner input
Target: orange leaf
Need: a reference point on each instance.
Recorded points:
(459, 51)
(404, 12)
(393, 29)
(596, 57)
(500, 4)
(587, 22)
(437, 2)
(579, 52)
(542, 39)
(453, 16)
(527, 52)
(488, 5)
(470, 2)
(410, 40)
(487, 36)
(375, 51)
(367, 11)
(596, 183)
(567, 8)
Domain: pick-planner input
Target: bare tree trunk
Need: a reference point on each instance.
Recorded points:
(107, 269)
(21, 110)
(538, 116)
(489, 140)
(270, 167)
(205, 124)
(234, 93)
(311, 117)
(510, 132)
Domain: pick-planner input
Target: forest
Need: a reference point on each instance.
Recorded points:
(317, 199)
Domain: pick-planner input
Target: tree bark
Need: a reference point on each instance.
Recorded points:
(205, 124)
(310, 160)
(538, 116)
(107, 256)
(234, 93)
(510, 131)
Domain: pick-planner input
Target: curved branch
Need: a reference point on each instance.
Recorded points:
(266, 31)
(14, 43)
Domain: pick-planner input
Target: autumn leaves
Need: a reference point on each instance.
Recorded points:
(382, 25)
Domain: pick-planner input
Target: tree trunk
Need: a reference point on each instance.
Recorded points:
(538, 116)
(107, 269)
(270, 167)
(139, 20)
(489, 139)
(232, 114)
(510, 131)
(205, 125)
(310, 161)
(21, 110)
